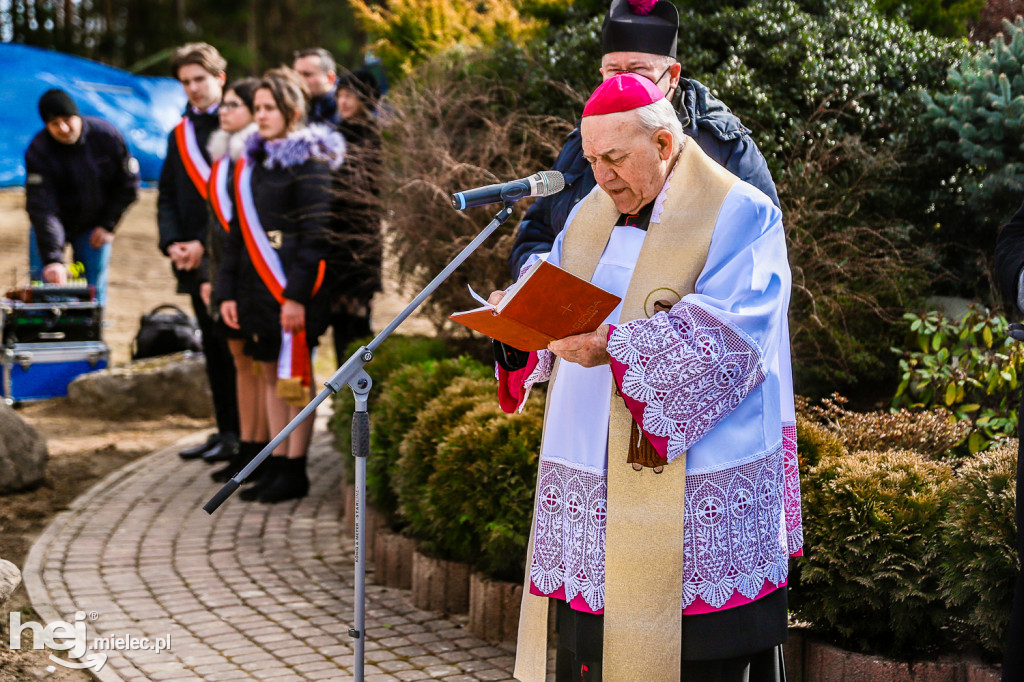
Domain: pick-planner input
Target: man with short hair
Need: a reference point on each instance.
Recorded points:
(667, 499)
(183, 216)
(644, 44)
(80, 179)
(318, 70)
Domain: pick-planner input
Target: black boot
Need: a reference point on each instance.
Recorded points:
(271, 466)
(224, 450)
(291, 482)
(197, 451)
(257, 448)
(242, 455)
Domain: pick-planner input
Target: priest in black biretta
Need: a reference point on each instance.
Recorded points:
(641, 26)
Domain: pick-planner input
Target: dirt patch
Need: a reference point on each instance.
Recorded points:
(83, 450)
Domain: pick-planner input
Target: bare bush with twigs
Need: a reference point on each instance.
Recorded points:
(452, 129)
(854, 271)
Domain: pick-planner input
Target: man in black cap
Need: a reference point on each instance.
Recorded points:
(641, 37)
(80, 179)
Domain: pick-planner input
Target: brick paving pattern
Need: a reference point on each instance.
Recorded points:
(255, 592)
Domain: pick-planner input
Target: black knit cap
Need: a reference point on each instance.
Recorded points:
(363, 84)
(56, 103)
(637, 26)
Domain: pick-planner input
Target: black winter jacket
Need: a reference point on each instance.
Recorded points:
(71, 189)
(706, 119)
(1010, 259)
(356, 212)
(181, 212)
(291, 194)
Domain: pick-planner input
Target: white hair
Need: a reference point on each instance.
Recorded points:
(661, 116)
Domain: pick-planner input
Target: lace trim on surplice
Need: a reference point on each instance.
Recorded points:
(735, 534)
(688, 368)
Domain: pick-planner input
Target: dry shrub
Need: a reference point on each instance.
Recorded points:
(932, 434)
(451, 129)
(855, 269)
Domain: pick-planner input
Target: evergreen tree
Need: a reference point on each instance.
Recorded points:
(982, 119)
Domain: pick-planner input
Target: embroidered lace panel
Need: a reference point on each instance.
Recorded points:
(791, 466)
(734, 535)
(568, 548)
(688, 368)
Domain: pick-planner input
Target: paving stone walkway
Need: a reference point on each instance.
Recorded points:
(255, 592)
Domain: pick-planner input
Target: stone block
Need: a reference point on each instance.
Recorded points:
(392, 558)
(154, 386)
(10, 578)
(494, 608)
(439, 585)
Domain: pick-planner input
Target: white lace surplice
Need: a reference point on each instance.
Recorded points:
(708, 376)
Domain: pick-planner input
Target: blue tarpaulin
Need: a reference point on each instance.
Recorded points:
(144, 109)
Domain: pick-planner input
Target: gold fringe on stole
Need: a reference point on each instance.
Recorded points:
(641, 452)
(644, 533)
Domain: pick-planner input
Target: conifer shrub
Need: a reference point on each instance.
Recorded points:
(980, 113)
(979, 556)
(398, 350)
(873, 548)
(815, 442)
(407, 390)
(419, 447)
(479, 497)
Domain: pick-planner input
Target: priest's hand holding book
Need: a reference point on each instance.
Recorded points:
(589, 349)
(547, 308)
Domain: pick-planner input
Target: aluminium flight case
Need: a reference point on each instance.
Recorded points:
(37, 371)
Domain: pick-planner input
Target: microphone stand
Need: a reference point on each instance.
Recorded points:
(352, 374)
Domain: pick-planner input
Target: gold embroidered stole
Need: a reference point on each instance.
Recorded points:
(644, 529)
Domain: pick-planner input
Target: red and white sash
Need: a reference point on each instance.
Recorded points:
(294, 359)
(192, 158)
(220, 192)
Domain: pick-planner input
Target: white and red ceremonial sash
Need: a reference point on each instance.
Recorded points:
(191, 154)
(294, 359)
(220, 192)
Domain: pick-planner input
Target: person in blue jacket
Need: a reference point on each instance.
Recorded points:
(645, 44)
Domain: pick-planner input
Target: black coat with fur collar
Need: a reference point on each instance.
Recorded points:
(291, 193)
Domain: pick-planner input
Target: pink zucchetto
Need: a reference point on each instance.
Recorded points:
(622, 92)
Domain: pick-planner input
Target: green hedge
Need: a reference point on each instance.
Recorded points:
(396, 352)
(419, 446)
(870, 576)
(979, 561)
(405, 393)
(480, 497)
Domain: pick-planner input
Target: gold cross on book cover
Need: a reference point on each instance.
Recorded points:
(547, 303)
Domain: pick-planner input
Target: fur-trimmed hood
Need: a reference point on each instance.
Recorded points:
(311, 142)
(222, 142)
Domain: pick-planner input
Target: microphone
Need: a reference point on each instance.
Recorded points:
(540, 184)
